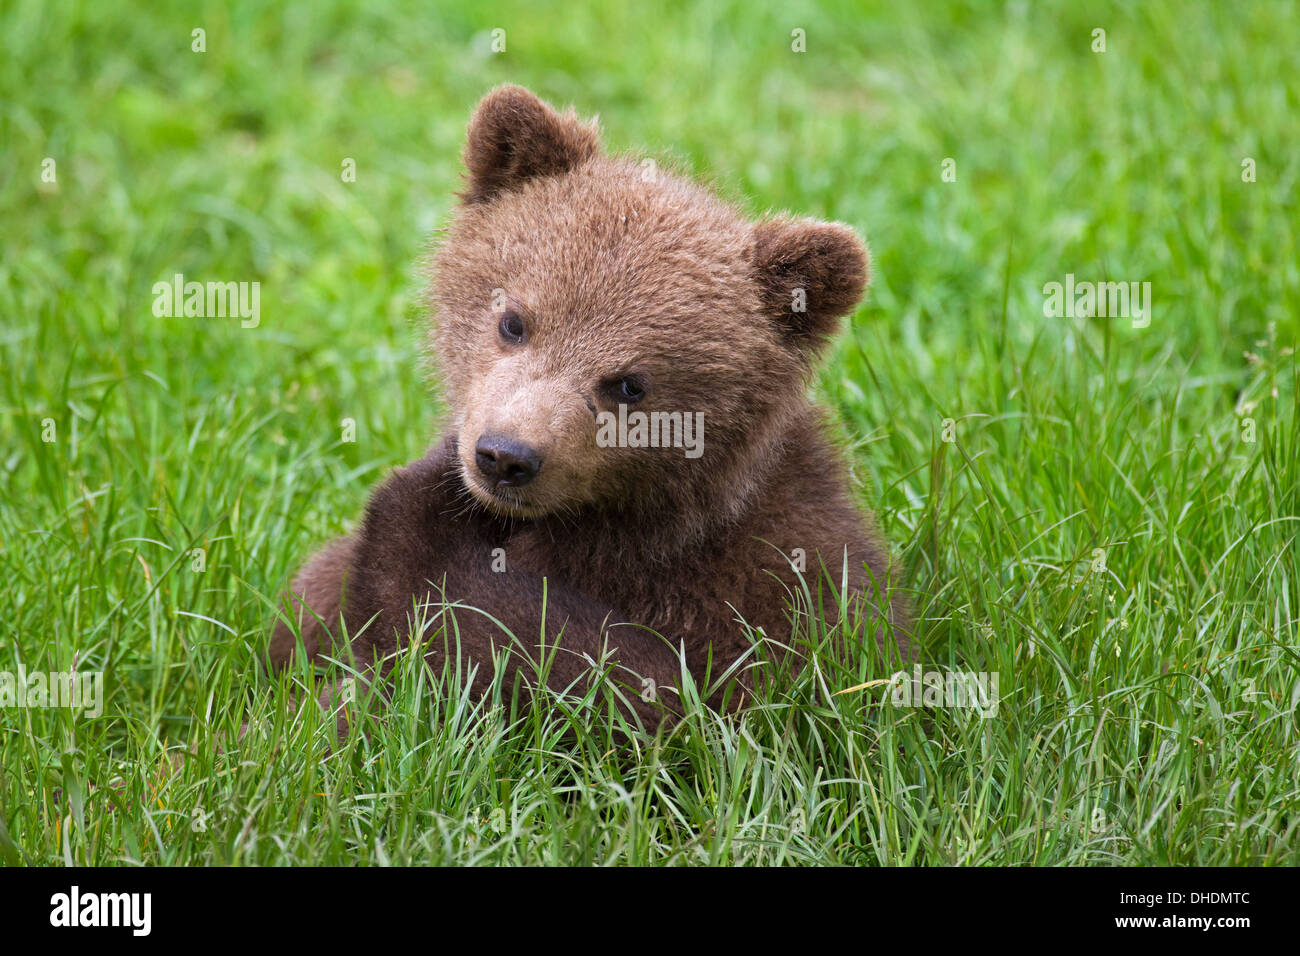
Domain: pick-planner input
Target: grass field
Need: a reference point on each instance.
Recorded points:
(1108, 521)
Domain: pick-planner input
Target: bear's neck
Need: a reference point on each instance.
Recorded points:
(788, 456)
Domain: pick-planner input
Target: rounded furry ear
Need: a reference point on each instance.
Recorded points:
(515, 137)
(810, 273)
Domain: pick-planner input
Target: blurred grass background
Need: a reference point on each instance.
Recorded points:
(1161, 690)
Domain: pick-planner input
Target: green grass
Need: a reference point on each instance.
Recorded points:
(1100, 533)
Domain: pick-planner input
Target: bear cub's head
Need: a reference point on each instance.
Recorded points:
(611, 334)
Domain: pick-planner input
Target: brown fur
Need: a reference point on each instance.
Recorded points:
(613, 273)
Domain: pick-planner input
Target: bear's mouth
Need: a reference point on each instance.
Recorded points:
(506, 501)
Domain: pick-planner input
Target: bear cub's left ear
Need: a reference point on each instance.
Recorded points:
(810, 274)
(514, 137)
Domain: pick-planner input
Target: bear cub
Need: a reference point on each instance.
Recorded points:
(630, 446)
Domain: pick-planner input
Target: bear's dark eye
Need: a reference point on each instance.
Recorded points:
(628, 389)
(511, 327)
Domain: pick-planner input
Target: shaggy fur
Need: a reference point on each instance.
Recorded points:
(612, 271)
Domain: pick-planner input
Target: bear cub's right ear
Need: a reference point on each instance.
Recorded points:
(515, 137)
(810, 273)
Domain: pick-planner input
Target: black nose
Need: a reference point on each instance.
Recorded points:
(506, 461)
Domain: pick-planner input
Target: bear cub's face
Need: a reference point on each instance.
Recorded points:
(571, 283)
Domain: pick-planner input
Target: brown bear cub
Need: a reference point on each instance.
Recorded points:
(632, 466)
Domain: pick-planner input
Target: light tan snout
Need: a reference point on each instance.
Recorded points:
(523, 436)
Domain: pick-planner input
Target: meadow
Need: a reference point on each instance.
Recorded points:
(1101, 510)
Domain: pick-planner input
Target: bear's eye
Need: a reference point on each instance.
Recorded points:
(511, 327)
(628, 389)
